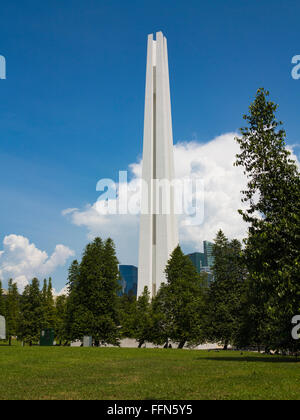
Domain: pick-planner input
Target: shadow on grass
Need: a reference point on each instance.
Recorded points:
(264, 359)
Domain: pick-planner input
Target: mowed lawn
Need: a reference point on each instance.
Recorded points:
(118, 373)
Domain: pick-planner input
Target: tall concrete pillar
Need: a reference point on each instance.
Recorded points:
(158, 223)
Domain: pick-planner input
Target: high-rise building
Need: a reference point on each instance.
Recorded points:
(203, 261)
(208, 252)
(198, 259)
(158, 228)
(129, 279)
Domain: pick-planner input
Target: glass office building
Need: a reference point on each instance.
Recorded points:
(203, 261)
(129, 279)
(208, 252)
(198, 259)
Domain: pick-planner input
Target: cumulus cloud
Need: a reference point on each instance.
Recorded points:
(22, 260)
(211, 162)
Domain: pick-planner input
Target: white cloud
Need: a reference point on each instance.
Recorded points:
(213, 163)
(68, 211)
(22, 260)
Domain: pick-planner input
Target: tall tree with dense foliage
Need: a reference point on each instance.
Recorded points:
(60, 319)
(225, 297)
(272, 251)
(161, 317)
(32, 317)
(12, 311)
(110, 289)
(73, 302)
(49, 312)
(94, 294)
(127, 315)
(184, 296)
(142, 325)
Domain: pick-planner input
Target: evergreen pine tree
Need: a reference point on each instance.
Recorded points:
(225, 296)
(44, 292)
(12, 311)
(94, 299)
(72, 303)
(32, 318)
(48, 305)
(161, 317)
(273, 246)
(60, 319)
(142, 327)
(127, 315)
(184, 299)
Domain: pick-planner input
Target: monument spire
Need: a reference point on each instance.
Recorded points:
(158, 227)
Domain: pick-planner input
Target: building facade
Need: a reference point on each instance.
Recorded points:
(198, 259)
(208, 252)
(129, 279)
(203, 261)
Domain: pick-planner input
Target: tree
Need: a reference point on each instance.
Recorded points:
(161, 317)
(127, 315)
(12, 310)
(32, 319)
(142, 325)
(225, 296)
(184, 298)
(110, 289)
(272, 251)
(60, 319)
(49, 312)
(93, 294)
(73, 302)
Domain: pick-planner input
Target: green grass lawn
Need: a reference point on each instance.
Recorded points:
(113, 373)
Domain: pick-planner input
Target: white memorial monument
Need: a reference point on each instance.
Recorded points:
(158, 228)
(2, 328)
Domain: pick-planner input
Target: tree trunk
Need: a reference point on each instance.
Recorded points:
(141, 343)
(9, 340)
(181, 344)
(225, 345)
(166, 346)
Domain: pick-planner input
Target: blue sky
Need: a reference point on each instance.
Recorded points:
(71, 108)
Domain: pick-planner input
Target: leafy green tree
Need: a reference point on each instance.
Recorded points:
(73, 302)
(161, 317)
(184, 296)
(225, 296)
(142, 327)
(110, 289)
(12, 311)
(272, 251)
(127, 315)
(49, 312)
(44, 291)
(94, 301)
(60, 319)
(32, 319)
